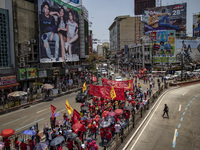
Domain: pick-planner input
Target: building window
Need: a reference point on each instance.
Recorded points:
(4, 39)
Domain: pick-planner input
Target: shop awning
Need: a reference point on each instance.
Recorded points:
(8, 86)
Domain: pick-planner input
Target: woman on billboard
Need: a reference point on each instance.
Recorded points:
(61, 29)
(72, 33)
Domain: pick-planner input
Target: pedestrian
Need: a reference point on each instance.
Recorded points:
(16, 143)
(102, 133)
(166, 109)
(37, 137)
(23, 146)
(7, 143)
(108, 136)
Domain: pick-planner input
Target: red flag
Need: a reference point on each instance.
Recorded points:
(53, 108)
(94, 78)
(75, 117)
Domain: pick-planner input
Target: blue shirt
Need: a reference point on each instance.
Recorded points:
(168, 46)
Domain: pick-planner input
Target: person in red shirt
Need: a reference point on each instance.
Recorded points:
(23, 146)
(94, 129)
(113, 129)
(32, 143)
(108, 136)
(103, 134)
(7, 143)
(70, 144)
(16, 143)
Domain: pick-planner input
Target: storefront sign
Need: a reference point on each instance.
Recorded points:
(29, 73)
(42, 73)
(7, 80)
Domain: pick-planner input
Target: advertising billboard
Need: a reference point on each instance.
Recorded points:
(172, 17)
(58, 32)
(163, 47)
(196, 25)
(31, 73)
(189, 48)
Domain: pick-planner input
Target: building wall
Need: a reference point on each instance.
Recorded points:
(130, 31)
(7, 5)
(100, 50)
(113, 38)
(141, 5)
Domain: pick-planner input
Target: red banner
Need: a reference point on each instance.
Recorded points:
(53, 108)
(94, 78)
(118, 84)
(104, 92)
(75, 117)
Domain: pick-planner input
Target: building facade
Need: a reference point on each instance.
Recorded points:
(141, 5)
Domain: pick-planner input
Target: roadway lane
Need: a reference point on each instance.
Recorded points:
(181, 131)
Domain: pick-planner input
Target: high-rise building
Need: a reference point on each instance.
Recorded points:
(141, 5)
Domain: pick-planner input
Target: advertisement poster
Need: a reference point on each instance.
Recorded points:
(171, 17)
(58, 31)
(196, 25)
(163, 48)
(31, 73)
(189, 48)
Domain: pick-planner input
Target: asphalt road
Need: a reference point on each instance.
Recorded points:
(181, 131)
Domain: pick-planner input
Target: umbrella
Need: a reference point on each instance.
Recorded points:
(41, 146)
(17, 94)
(112, 113)
(2, 145)
(55, 114)
(28, 132)
(57, 141)
(47, 86)
(105, 114)
(78, 127)
(110, 119)
(105, 124)
(7, 132)
(119, 111)
(85, 108)
(129, 108)
(145, 69)
(71, 135)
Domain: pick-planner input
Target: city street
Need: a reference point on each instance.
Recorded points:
(181, 131)
(40, 113)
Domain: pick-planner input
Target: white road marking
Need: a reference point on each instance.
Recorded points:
(14, 120)
(61, 110)
(179, 108)
(42, 110)
(174, 139)
(147, 123)
(185, 93)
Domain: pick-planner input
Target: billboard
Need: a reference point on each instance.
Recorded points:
(163, 48)
(28, 73)
(58, 32)
(196, 25)
(172, 17)
(189, 48)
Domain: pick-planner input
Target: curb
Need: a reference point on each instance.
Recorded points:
(147, 116)
(186, 83)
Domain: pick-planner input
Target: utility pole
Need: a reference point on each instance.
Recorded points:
(181, 66)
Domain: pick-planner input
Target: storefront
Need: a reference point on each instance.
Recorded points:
(8, 84)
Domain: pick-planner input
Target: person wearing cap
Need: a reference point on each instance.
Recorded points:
(16, 143)
(94, 146)
(23, 146)
(88, 143)
(94, 130)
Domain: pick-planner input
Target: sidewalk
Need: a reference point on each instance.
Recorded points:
(40, 100)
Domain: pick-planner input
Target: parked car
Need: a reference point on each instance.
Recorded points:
(169, 77)
(111, 73)
(118, 78)
(81, 96)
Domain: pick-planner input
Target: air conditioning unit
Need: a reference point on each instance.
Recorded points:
(27, 42)
(33, 41)
(22, 59)
(22, 64)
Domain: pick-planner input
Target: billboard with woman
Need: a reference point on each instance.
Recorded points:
(58, 32)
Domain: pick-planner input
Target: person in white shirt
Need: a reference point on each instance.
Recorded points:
(117, 127)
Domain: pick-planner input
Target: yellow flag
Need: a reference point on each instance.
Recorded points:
(84, 87)
(68, 107)
(129, 86)
(112, 93)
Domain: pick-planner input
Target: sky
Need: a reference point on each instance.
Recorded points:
(103, 12)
